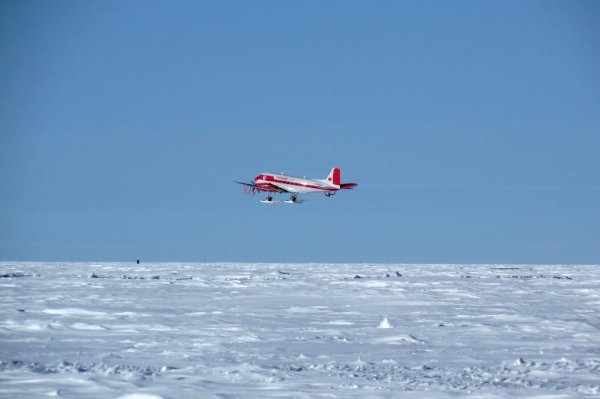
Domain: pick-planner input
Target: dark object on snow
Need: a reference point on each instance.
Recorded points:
(20, 310)
(357, 276)
(11, 275)
(137, 261)
(398, 274)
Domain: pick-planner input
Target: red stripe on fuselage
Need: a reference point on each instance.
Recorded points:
(268, 187)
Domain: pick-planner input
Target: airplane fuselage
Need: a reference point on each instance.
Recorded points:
(294, 184)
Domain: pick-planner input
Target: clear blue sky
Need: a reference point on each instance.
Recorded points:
(471, 127)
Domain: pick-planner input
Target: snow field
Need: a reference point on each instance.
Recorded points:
(180, 330)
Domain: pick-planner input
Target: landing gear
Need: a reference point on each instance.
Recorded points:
(329, 193)
(294, 200)
(268, 200)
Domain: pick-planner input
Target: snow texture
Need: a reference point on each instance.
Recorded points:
(175, 330)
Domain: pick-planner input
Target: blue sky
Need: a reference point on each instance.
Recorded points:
(472, 129)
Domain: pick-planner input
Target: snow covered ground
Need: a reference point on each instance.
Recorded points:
(181, 330)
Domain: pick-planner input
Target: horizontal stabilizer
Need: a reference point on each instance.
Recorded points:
(348, 186)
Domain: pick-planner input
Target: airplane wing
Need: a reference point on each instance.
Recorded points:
(253, 188)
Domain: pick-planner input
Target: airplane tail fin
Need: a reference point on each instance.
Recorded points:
(334, 177)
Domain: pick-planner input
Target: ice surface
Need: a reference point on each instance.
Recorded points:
(175, 330)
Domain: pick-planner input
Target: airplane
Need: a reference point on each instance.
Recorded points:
(278, 183)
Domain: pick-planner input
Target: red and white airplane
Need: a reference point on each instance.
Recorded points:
(279, 183)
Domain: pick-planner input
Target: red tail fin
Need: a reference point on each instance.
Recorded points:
(334, 176)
